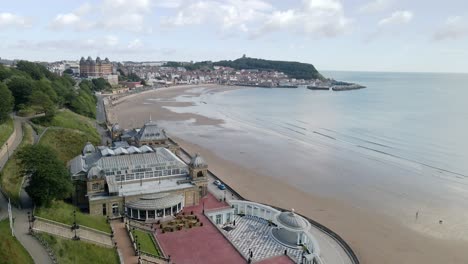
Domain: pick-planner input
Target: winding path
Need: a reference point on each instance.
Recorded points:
(21, 224)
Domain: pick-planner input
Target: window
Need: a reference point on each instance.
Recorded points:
(129, 177)
(218, 219)
(159, 212)
(142, 214)
(228, 217)
(96, 186)
(104, 209)
(151, 214)
(115, 209)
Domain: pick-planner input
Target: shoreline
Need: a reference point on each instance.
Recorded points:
(375, 237)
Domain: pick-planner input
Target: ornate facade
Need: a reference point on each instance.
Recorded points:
(144, 182)
(95, 68)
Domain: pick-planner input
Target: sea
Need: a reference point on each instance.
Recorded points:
(397, 147)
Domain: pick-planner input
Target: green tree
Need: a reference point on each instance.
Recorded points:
(68, 71)
(30, 68)
(43, 102)
(7, 102)
(21, 88)
(50, 179)
(100, 84)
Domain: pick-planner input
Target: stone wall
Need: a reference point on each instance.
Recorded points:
(10, 141)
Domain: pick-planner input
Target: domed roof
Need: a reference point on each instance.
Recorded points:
(82, 60)
(94, 172)
(292, 220)
(98, 59)
(88, 148)
(106, 60)
(198, 162)
(116, 127)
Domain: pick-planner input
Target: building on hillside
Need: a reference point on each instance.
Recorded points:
(90, 68)
(150, 134)
(144, 183)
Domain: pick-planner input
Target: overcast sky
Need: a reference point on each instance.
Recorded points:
(369, 35)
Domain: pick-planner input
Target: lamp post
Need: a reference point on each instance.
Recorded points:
(8, 151)
(75, 226)
(29, 222)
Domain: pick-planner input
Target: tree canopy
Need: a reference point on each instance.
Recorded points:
(36, 89)
(50, 179)
(292, 69)
(7, 102)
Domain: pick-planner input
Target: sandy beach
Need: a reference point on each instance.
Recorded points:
(375, 237)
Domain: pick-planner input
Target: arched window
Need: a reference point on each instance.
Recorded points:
(115, 209)
(200, 174)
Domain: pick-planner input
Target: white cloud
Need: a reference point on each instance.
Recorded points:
(135, 44)
(256, 17)
(9, 20)
(63, 20)
(126, 15)
(375, 6)
(454, 27)
(111, 40)
(397, 18)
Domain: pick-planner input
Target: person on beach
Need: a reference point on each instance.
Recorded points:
(417, 215)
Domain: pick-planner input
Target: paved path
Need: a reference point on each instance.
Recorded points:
(66, 232)
(21, 226)
(124, 244)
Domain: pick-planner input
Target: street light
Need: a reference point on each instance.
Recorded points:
(29, 222)
(75, 226)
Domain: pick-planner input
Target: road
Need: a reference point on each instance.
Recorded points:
(101, 119)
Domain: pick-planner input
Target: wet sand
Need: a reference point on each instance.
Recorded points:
(375, 237)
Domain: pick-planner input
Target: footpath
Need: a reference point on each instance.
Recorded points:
(21, 223)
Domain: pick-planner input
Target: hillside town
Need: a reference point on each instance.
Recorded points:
(160, 74)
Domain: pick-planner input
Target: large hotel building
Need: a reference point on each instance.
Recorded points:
(95, 68)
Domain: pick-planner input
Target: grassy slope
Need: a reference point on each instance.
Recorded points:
(11, 251)
(146, 243)
(63, 212)
(72, 252)
(6, 129)
(68, 143)
(70, 140)
(11, 177)
(68, 119)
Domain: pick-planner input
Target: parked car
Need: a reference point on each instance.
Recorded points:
(221, 186)
(216, 182)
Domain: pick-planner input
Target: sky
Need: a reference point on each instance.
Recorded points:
(358, 35)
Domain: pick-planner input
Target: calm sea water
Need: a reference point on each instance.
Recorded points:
(418, 117)
(398, 146)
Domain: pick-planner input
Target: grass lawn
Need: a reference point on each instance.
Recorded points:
(72, 252)
(6, 129)
(62, 212)
(146, 243)
(67, 142)
(11, 177)
(67, 119)
(11, 250)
